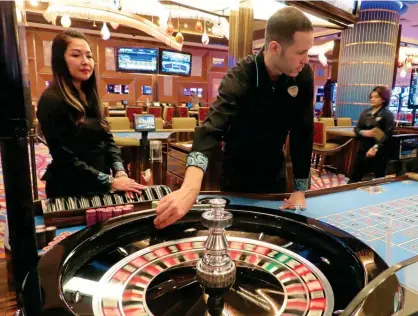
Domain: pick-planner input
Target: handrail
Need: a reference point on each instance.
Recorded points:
(318, 150)
(40, 139)
(374, 284)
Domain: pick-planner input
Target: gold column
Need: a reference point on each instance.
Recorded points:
(241, 22)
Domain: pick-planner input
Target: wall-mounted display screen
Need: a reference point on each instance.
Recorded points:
(117, 89)
(146, 90)
(175, 63)
(413, 90)
(190, 91)
(135, 59)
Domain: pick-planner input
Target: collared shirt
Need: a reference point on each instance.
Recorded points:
(382, 119)
(253, 117)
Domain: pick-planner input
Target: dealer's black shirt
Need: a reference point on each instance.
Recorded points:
(82, 153)
(253, 116)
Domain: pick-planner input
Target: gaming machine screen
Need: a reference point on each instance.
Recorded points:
(413, 90)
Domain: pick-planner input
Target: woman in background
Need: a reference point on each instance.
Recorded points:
(374, 130)
(71, 118)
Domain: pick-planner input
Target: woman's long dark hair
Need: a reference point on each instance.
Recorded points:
(63, 82)
(384, 93)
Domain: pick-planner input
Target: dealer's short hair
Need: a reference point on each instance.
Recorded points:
(282, 25)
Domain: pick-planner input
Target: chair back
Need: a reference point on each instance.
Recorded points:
(320, 134)
(159, 123)
(408, 117)
(183, 111)
(184, 122)
(329, 121)
(344, 121)
(119, 123)
(203, 114)
(168, 114)
(156, 110)
(131, 111)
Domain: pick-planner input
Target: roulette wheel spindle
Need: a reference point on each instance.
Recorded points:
(216, 271)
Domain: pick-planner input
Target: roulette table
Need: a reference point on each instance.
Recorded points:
(285, 264)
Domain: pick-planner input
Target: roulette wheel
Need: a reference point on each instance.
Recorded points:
(220, 259)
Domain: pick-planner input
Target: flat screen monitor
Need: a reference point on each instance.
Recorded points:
(408, 148)
(175, 63)
(117, 89)
(413, 90)
(136, 59)
(144, 122)
(146, 90)
(190, 91)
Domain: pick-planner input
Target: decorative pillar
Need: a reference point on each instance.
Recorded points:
(241, 21)
(367, 56)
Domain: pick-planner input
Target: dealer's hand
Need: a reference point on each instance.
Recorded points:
(175, 205)
(296, 201)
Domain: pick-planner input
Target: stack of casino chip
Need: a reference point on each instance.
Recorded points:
(41, 236)
(55, 240)
(99, 215)
(50, 233)
(44, 235)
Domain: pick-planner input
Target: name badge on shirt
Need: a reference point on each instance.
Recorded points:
(293, 91)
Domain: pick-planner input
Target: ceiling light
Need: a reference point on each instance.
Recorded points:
(65, 21)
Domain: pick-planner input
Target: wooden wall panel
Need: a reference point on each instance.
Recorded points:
(164, 88)
(199, 65)
(212, 63)
(117, 81)
(321, 73)
(168, 87)
(214, 79)
(146, 80)
(217, 61)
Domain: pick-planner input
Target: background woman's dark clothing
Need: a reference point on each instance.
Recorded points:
(384, 120)
(82, 153)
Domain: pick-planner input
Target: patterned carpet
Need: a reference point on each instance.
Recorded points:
(43, 158)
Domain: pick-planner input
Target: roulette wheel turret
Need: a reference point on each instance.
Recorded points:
(216, 270)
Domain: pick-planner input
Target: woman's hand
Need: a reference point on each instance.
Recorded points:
(369, 133)
(372, 152)
(127, 184)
